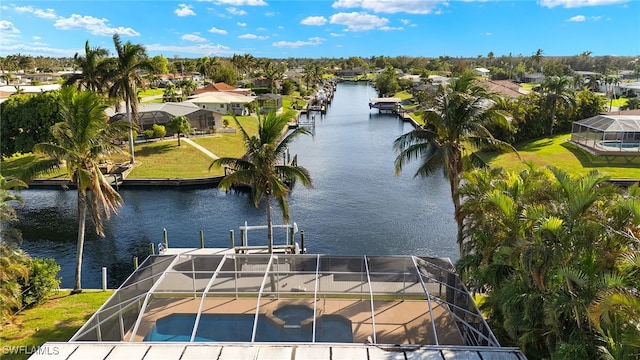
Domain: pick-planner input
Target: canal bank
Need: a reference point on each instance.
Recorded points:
(357, 205)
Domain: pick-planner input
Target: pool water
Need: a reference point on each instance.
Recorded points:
(618, 144)
(238, 328)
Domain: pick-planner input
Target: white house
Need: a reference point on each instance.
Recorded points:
(482, 72)
(223, 102)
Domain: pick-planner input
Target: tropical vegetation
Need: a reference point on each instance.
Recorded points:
(556, 257)
(454, 127)
(83, 139)
(262, 167)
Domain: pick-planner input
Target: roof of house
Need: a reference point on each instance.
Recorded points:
(484, 70)
(612, 123)
(502, 87)
(221, 86)
(221, 97)
(269, 96)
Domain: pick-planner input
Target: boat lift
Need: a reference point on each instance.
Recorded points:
(289, 247)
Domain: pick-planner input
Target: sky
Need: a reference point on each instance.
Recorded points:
(324, 28)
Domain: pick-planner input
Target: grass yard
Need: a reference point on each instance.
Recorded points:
(56, 320)
(150, 92)
(165, 160)
(557, 151)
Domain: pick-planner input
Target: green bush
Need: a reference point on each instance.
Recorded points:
(149, 134)
(159, 131)
(43, 279)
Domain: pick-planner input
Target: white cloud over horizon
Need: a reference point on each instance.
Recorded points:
(94, 25)
(193, 37)
(357, 21)
(314, 41)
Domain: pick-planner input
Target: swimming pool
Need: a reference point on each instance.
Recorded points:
(238, 328)
(618, 144)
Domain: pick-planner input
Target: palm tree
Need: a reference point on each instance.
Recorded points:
(458, 120)
(83, 138)
(180, 125)
(261, 166)
(557, 90)
(125, 76)
(93, 69)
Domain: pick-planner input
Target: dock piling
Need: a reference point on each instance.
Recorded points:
(153, 248)
(232, 239)
(135, 262)
(302, 241)
(104, 278)
(201, 239)
(166, 241)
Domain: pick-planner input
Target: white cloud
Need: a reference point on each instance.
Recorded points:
(36, 38)
(270, 14)
(392, 6)
(261, 29)
(241, 24)
(202, 50)
(7, 27)
(184, 10)
(389, 28)
(252, 36)
(281, 27)
(193, 37)
(296, 44)
(358, 21)
(41, 13)
(215, 30)
(314, 20)
(93, 25)
(236, 11)
(241, 2)
(486, 34)
(578, 3)
(577, 18)
(336, 35)
(38, 50)
(405, 21)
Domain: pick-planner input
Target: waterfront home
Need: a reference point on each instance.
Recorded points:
(160, 113)
(227, 304)
(223, 102)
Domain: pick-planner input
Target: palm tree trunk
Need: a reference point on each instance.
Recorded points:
(553, 118)
(454, 182)
(133, 159)
(82, 217)
(269, 225)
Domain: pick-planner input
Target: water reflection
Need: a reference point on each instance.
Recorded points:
(357, 205)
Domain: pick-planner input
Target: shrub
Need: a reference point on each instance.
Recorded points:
(159, 131)
(43, 279)
(149, 134)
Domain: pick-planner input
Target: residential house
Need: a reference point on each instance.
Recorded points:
(223, 102)
(160, 113)
(482, 72)
(269, 102)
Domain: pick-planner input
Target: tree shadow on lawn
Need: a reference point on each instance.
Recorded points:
(156, 149)
(535, 145)
(15, 167)
(592, 161)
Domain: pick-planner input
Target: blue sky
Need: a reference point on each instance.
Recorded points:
(324, 28)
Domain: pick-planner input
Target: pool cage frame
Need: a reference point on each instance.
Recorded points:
(263, 276)
(592, 132)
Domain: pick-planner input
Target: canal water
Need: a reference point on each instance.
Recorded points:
(356, 206)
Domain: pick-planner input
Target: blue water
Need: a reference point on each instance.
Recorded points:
(239, 327)
(357, 206)
(618, 144)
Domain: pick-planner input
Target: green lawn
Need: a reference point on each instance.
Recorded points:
(557, 151)
(165, 160)
(150, 92)
(56, 320)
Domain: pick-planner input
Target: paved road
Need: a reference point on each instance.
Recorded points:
(204, 151)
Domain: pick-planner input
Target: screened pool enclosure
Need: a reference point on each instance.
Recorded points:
(261, 298)
(608, 134)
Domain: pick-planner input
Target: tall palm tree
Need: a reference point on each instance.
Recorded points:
(83, 138)
(93, 69)
(455, 125)
(557, 90)
(262, 167)
(126, 75)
